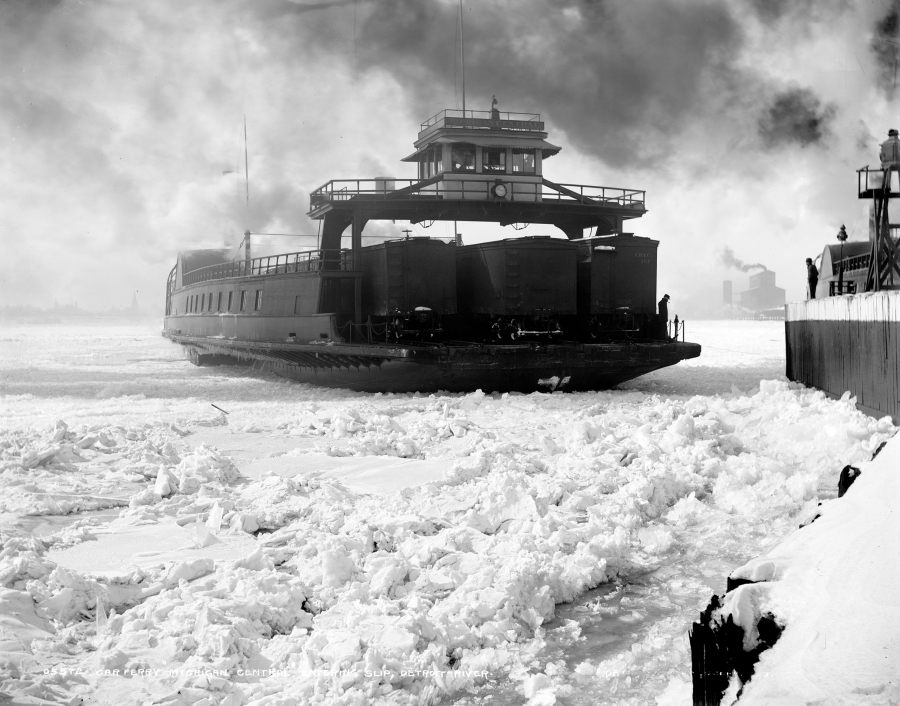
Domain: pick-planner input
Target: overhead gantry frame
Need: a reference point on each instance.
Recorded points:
(570, 211)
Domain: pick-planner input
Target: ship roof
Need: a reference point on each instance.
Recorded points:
(522, 141)
(851, 249)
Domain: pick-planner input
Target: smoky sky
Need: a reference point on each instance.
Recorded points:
(885, 47)
(119, 119)
(729, 260)
(624, 80)
(796, 116)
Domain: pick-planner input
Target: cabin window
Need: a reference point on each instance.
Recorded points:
(243, 299)
(463, 158)
(297, 304)
(523, 162)
(438, 160)
(219, 302)
(209, 306)
(431, 163)
(494, 161)
(258, 303)
(202, 302)
(230, 300)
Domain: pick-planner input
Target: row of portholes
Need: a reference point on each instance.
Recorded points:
(203, 303)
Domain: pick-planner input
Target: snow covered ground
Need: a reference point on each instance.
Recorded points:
(324, 546)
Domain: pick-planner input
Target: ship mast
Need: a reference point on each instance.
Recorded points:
(462, 57)
(462, 61)
(247, 255)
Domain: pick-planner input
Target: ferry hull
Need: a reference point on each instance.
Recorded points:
(566, 367)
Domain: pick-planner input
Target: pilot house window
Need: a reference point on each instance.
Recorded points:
(463, 158)
(523, 161)
(494, 160)
(431, 162)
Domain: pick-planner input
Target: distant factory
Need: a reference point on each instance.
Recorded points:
(762, 298)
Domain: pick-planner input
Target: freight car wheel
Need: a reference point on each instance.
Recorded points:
(594, 328)
(512, 330)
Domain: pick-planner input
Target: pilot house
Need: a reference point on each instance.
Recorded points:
(483, 155)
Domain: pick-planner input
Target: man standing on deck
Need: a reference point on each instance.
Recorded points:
(812, 277)
(664, 316)
(890, 151)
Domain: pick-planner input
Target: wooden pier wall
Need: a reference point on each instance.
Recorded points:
(850, 342)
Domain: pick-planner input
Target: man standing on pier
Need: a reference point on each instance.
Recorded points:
(890, 151)
(812, 277)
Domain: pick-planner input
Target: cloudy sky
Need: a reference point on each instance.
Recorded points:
(122, 123)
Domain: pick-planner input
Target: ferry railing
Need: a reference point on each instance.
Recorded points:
(170, 290)
(440, 119)
(445, 185)
(588, 193)
(289, 263)
(346, 189)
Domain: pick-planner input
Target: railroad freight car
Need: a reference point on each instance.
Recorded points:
(408, 286)
(516, 288)
(616, 286)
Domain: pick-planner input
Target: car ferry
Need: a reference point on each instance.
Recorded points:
(423, 315)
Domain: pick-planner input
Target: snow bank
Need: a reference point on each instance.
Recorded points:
(834, 585)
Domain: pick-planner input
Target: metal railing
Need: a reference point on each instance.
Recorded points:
(441, 118)
(851, 264)
(836, 288)
(346, 189)
(603, 194)
(871, 179)
(310, 261)
(447, 186)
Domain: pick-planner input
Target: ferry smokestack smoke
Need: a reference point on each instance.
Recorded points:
(675, 62)
(885, 47)
(796, 116)
(730, 260)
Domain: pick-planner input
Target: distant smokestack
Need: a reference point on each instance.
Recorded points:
(726, 292)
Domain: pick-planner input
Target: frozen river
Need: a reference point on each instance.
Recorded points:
(357, 548)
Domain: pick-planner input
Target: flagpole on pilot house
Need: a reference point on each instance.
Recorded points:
(247, 187)
(462, 56)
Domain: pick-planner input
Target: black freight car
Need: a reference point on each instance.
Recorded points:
(515, 288)
(408, 286)
(616, 286)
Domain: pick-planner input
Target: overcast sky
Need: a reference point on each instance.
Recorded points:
(743, 120)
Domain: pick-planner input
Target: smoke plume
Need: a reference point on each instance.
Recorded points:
(729, 260)
(885, 47)
(796, 116)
